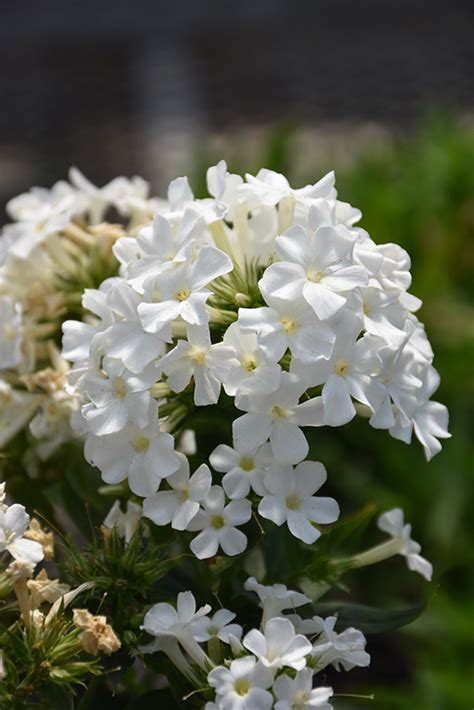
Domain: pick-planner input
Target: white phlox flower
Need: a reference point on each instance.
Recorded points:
(182, 292)
(275, 598)
(144, 456)
(392, 522)
(278, 416)
(278, 645)
(197, 358)
(179, 505)
(14, 522)
(218, 626)
(291, 499)
(117, 397)
(288, 324)
(244, 468)
(346, 649)
(164, 622)
(298, 693)
(243, 685)
(246, 367)
(428, 419)
(349, 372)
(218, 525)
(315, 267)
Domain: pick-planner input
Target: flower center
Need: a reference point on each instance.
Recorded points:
(212, 630)
(120, 388)
(184, 493)
(141, 444)
(289, 325)
(293, 502)
(217, 522)
(300, 700)
(278, 412)
(341, 367)
(242, 686)
(249, 363)
(314, 275)
(182, 295)
(198, 355)
(366, 309)
(247, 464)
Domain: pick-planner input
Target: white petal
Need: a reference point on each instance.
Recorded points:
(338, 406)
(232, 541)
(301, 528)
(288, 443)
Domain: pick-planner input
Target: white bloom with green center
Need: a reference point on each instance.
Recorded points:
(278, 416)
(218, 525)
(144, 456)
(179, 505)
(116, 397)
(288, 324)
(349, 372)
(218, 626)
(248, 369)
(291, 500)
(244, 468)
(243, 685)
(392, 522)
(183, 291)
(14, 522)
(298, 693)
(317, 267)
(197, 358)
(278, 645)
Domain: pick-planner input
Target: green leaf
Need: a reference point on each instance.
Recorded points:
(368, 619)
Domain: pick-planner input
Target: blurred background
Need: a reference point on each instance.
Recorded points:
(380, 91)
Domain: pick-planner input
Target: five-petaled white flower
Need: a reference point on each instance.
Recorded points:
(278, 416)
(244, 468)
(218, 524)
(218, 626)
(242, 686)
(291, 499)
(278, 645)
(298, 693)
(179, 505)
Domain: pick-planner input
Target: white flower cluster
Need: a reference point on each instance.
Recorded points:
(51, 244)
(42, 212)
(268, 667)
(273, 295)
